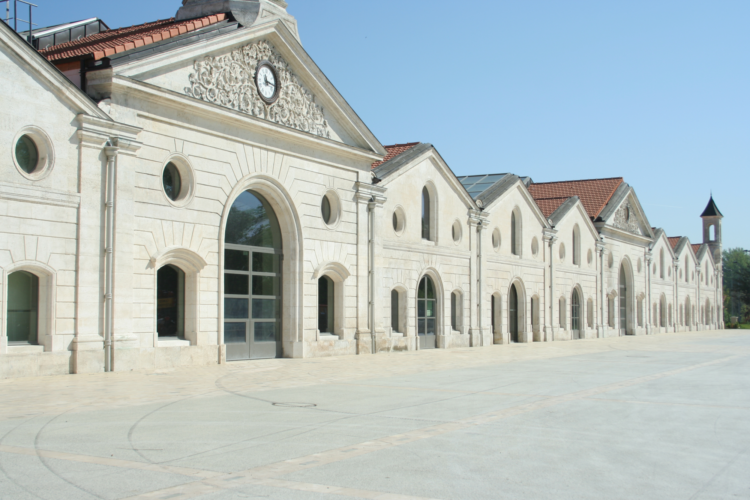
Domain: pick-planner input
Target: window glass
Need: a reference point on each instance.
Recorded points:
(236, 284)
(170, 307)
(325, 208)
(513, 233)
(394, 310)
(172, 181)
(23, 308)
(426, 233)
(234, 333)
(252, 222)
(236, 260)
(27, 154)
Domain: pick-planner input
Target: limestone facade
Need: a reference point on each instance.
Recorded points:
(94, 224)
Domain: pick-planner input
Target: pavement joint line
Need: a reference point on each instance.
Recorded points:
(271, 471)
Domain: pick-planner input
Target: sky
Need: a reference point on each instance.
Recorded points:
(655, 92)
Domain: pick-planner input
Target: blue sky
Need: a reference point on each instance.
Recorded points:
(655, 92)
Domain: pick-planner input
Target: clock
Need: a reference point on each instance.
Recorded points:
(267, 82)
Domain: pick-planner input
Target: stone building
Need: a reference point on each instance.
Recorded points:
(194, 191)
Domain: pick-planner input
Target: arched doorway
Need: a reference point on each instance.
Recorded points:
(575, 315)
(325, 305)
(426, 314)
(513, 314)
(623, 301)
(252, 280)
(170, 302)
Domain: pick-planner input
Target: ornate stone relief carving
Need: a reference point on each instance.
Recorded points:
(229, 81)
(625, 219)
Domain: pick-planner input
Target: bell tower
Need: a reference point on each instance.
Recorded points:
(712, 229)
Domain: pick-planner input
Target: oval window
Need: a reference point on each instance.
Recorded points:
(325, 208)
(456, 231)
(172, 181)
(395, 221)
(27, 154)
(496, 239)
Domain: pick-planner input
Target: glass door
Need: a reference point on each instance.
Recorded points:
(426, 314)
(252, 299)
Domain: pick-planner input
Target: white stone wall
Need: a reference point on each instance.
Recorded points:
(38, 217)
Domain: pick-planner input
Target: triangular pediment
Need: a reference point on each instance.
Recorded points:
(222, 70)
(629, 216)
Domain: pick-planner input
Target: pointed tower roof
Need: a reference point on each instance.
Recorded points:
(711, 209)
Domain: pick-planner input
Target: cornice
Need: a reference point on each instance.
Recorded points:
(41, 196)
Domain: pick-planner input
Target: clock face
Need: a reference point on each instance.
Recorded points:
(268, 84)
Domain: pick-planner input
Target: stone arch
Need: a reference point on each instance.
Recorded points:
(581, 311)
(338, 274)
(457, 315)
(292, 265)
(46, 302)
(522, 331)
(190, 263)
(440, 297)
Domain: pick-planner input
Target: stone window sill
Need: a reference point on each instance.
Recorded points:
(173, 342)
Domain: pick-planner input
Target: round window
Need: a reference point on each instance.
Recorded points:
(496, 239)
(27, 154)
(456, 231)
(172, 181)
(399, 220)
(325, 208)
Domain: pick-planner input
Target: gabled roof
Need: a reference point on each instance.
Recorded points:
(557, 215)
(394, 151)
(48, 73)
(593, 193)
(674, 240)
(111, 42)
(696, 248)
(711, 209)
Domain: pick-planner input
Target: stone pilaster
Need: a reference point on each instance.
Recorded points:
(550, 237)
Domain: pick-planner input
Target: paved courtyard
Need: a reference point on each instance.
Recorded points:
(659, 417)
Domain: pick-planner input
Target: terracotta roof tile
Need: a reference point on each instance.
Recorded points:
(110, 42)
(673, 240)
(594, 194)
(549, 205)
(394, 151)
(696, 247)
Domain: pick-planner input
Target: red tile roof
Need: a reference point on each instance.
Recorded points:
(394, 151)
(110, 42)
(696, 247)
(594, 194)
(549, 205)
(673, 240)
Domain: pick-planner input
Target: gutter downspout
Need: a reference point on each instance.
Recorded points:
(111, 152)
(479, 281)
(371, 272)
(552, 240)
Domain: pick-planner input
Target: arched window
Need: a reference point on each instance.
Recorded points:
(623, 301)
(687, 271)
(170, 302)
(711, 233)
(395, 311)
(535, 318)
(513, 248)
(456, 310)
(575, 315)
(23, 308)
(576, 246)
(495, 318)
(426, 313)
(513, 314)
(326, 313)
(590, 313)
(426, 223)
(661, 264)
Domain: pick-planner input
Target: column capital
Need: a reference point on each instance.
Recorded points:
(549, 235)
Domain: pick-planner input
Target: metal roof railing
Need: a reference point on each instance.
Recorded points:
(15, 18)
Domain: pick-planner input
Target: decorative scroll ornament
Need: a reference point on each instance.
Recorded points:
(625, 219)
(229, 81)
